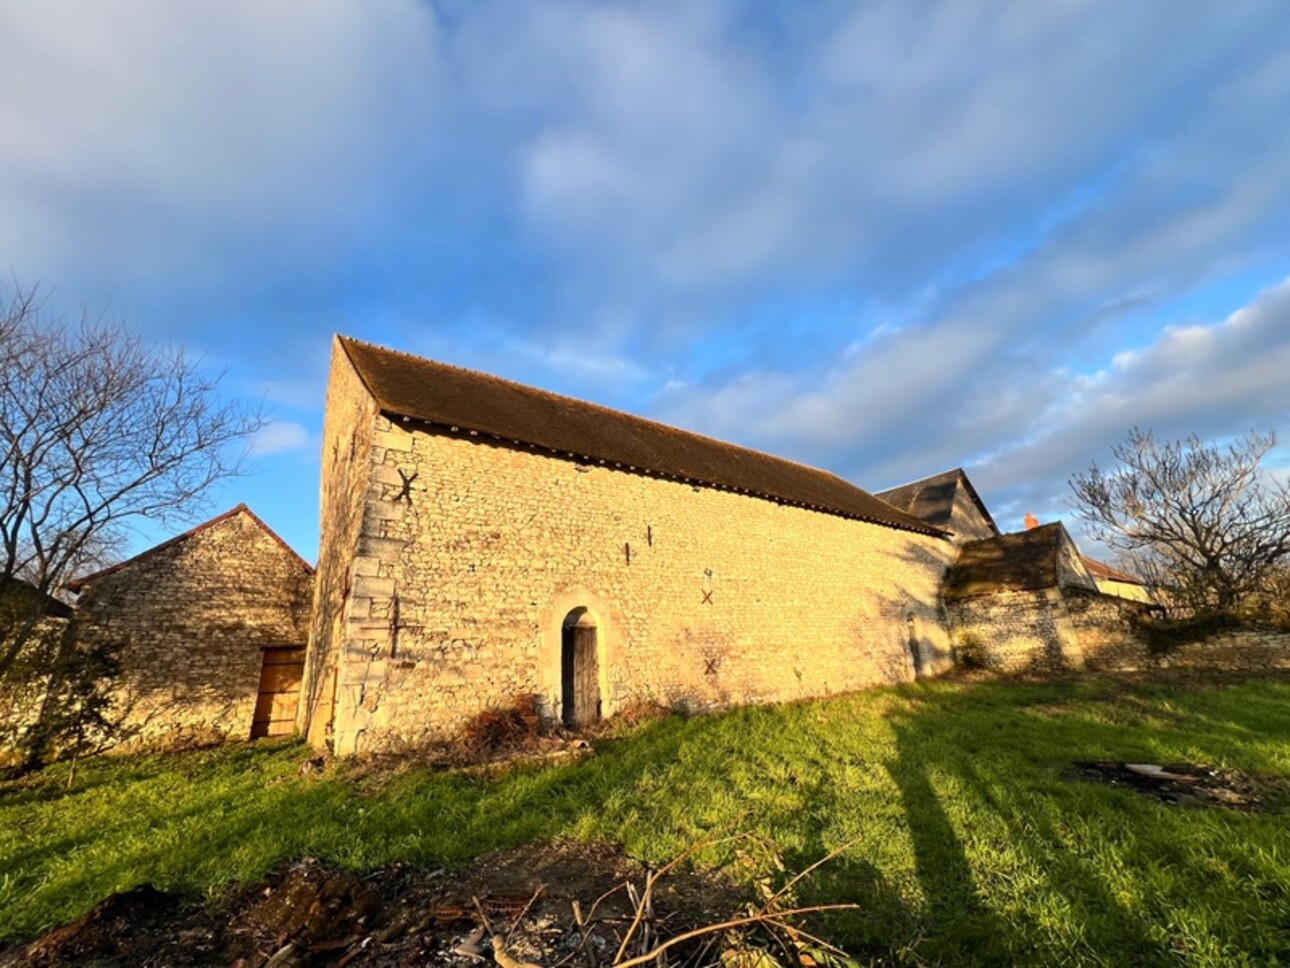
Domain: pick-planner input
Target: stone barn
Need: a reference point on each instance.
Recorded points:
(210, 629)
(483, 540)
(1026, 602)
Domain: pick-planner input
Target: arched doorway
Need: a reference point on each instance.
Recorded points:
(579, 670)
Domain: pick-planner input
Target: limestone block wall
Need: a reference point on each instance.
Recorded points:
(20, 700)
(471, 554)
(1108, 631)
(348, 428)
(191, 619)
(1016, 631)
(1251, 649)
(1054, 630)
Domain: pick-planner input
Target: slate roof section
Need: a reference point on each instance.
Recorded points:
(453, 398)
(77, 584)
(1020, 561)
(1104, 572)
(932, 498)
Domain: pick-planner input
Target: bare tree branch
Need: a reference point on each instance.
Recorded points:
(1205, 522)
(97, 430)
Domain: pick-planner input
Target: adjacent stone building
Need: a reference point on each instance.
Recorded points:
(1026, 602)
(25, 611)
(482, 540)
(210, 629)
(947, 501)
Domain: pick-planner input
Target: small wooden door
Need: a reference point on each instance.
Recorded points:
(275, 707)
(581, 675)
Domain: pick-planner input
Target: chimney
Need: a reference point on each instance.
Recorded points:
(1030, 521)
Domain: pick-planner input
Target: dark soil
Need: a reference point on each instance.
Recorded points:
(1186, 784)
(309, 915)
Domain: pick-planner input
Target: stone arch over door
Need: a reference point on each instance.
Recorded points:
(577, 601)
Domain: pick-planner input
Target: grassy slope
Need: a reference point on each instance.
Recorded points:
(970, 846)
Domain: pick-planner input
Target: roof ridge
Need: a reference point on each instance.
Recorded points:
(922, 480)
(76, 584)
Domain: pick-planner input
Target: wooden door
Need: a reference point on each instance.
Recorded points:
(581, 676)
(275, 707)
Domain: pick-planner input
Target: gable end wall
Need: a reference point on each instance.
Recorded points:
(191, 621)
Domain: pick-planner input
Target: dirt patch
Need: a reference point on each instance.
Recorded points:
(1186, 784)
(310, 915)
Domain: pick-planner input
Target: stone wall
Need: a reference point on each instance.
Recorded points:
(1238, 650)
(1015, 631)
(20, 700)
(471, 555)
(192, 618)
(1107, 628)
(348, 426)
(1050, 631)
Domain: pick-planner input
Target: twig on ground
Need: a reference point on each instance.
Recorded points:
(725, 926)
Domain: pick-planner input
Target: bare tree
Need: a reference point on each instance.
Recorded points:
(98, 430)
(1208, 520)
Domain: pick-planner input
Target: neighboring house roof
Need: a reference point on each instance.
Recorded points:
(932, 498)
(1104, 572)
(1020, 561)
(20, 588)
(77, 584)
(458, 399)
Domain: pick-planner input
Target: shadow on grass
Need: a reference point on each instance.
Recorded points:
(971, 845)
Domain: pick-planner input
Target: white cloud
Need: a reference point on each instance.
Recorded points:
(279, 436)
(152, 140)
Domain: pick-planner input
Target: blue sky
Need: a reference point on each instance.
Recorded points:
(884, 238)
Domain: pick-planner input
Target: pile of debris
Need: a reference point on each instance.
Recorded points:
(563, 903)
(1185, 784)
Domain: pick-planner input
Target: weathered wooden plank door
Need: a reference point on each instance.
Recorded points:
(581, 676)
(275, 707)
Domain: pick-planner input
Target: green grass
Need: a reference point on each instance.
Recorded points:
(969, 846)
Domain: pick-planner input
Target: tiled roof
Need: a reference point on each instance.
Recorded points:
(77, 584)
(464, 400)
(1104, 572)
(932, 498)
(1021, 561)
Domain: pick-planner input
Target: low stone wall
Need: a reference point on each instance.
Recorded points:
(1108, 629)
(1050, 632)
(20, 698)
(1238, 650)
